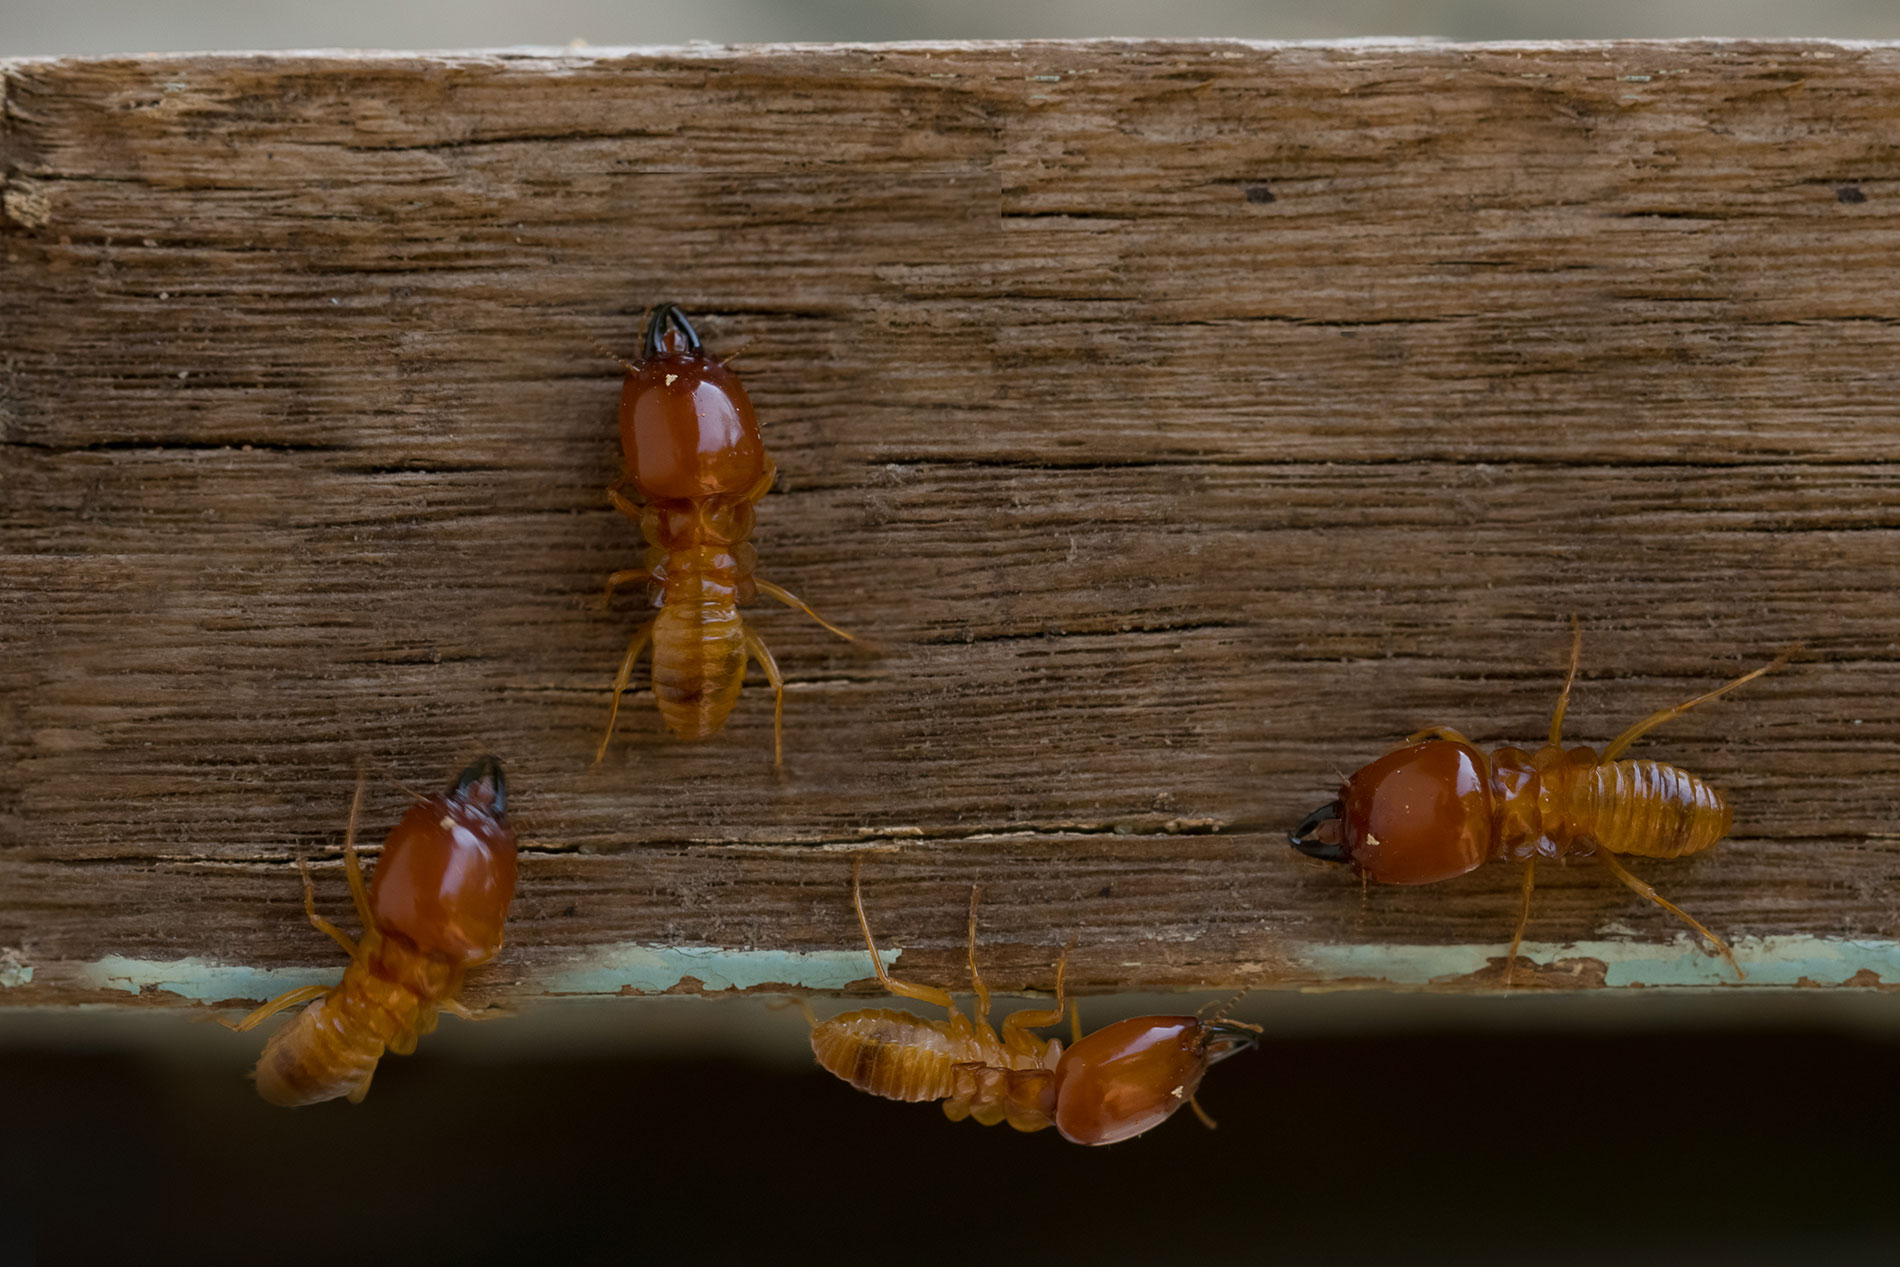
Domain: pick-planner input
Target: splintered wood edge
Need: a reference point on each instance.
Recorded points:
(584, 52)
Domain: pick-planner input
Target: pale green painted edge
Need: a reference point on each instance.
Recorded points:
(643, 969)
(200, 979)
(1768, 961)
(656, 969)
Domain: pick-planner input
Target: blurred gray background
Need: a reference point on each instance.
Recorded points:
(42, 27)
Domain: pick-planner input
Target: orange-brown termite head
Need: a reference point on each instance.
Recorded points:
(1133, 1075)
(1417, 815)
(686, 426)
(447, 872)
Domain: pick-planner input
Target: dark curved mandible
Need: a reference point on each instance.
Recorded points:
(1301, 837)
(656, 327)
(484, 769)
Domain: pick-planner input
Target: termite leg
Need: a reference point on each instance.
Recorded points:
(1654, 720)
(352, 867)
(762, 485)
(624, 504)
(811, 1017)
(922, 993)
(621, 679)
(1037, 1018)
(790, 599)
(755, 646)
(616, 579)
(288, 999)
(1437, 732)
(455, 1007)
(317, 921)
(1563, 696)
(981, 991)
(1201, 1113)
(1621, 872)
(1523, 920)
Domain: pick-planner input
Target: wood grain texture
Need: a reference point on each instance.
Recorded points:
(1186, 421)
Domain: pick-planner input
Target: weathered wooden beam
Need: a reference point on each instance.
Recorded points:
(1185, 421)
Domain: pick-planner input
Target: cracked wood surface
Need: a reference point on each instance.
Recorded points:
(1186, 422)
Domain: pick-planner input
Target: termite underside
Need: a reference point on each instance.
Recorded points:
(1116, 1083)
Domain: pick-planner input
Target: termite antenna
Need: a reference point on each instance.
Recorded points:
(733, 356)
(1220, 1014)
(653, 343)
(387, 772)
(614, 356)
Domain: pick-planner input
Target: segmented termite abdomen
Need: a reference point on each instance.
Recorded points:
(891, 1054)
(1651, 810)
(332, 1047)
(698, 665)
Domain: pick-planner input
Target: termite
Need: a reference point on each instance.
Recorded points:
(1123, 1079)
(1438, 807)
(695, 458)
(435, 910)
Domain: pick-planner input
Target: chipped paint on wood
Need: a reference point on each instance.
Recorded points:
(657, 969)
(1768, 961)
(639, 969)
(629, 969)
(199, 979)
(14, 969)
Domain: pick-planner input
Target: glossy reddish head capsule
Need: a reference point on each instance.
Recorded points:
(447, 872)
(1415, 816)
(1133, 1075)
(434, 909)
(686, 425)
